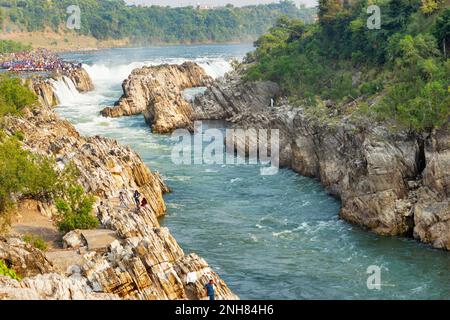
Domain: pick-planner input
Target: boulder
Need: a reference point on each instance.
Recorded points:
(73, 240)
(23, 258)
(156, 92)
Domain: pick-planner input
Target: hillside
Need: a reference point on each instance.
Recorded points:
(107, 20)
(399, 73)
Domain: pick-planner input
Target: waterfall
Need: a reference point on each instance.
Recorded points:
(66, 91)
(216, 68)
(105, 76)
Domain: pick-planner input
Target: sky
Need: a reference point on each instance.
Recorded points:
(181, 3)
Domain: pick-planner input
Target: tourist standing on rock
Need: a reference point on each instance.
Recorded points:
(137, 199)
(210, 289)
(99, 208)
(122, 199)
(144, 203)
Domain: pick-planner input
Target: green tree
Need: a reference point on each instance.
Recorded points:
(106, 19)
(442, 30)
(14, 96)
(75, 210)
(340, 59)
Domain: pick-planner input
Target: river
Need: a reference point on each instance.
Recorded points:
(269, 237)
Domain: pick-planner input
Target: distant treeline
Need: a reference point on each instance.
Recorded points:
(113, 19)
(8, 46)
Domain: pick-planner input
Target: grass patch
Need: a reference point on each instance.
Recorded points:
(36, 241)
(5, 271)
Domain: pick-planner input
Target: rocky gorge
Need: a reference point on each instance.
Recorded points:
(141, 261)
(389, 182)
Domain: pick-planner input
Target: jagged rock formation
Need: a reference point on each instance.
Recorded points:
(230, 96)
(23, 257)
(50, 286)
(81, 79)
(145, 262)
(432, 210)
(44, 91)
(156, 92)
(376, 174)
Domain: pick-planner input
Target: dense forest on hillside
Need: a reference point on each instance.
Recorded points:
(399, 72)
(113, 19)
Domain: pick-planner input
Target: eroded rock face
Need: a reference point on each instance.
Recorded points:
(105, 166)
(44, 91)
(432, 211)
(49, 286)
(376, 174)
(229, 96)
(156, 92)
(23, 258)
(145, 262)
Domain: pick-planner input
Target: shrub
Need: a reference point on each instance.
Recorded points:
(36, 241)
(23, 174)
(5, 271)
(74, 210)
(14, 96)
(43, 180)
(15, 171)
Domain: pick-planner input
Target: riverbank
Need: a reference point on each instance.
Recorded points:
(63, 42)
(391, 183)
(141, 261)
(72, 42)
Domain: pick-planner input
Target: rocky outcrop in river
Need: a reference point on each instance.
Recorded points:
(142, 261)
(156, 92)
(81, 79)
(390, 183)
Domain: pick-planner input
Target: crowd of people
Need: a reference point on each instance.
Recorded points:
(37, 60)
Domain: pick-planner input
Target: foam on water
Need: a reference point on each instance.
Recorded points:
(66, 91)
(108, 78)
(103, 74)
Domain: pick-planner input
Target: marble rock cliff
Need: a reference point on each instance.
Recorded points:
(391, 183)
(156, 92)
(143, 261)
